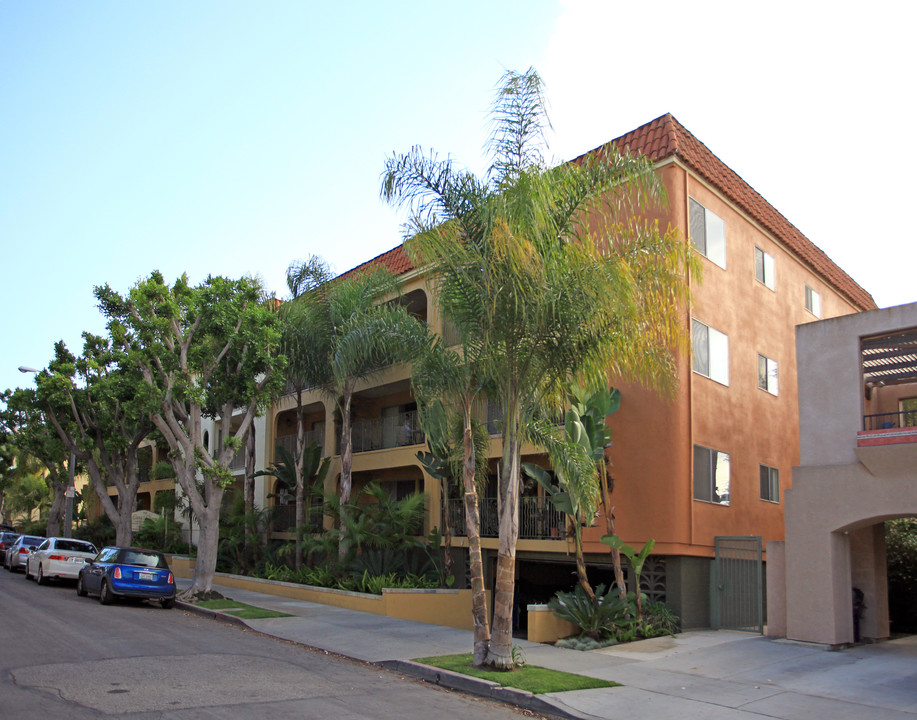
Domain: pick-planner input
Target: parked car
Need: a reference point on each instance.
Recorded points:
(127, 572)
(6, 540)
(58, 557)
(18, 552)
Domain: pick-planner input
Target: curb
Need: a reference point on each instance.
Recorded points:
(479, 687)
(212, 614)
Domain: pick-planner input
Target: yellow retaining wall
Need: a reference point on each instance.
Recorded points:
(546, 627)
(451, 608)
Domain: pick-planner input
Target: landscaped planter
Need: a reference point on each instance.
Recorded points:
(546, 627)
(451, 608)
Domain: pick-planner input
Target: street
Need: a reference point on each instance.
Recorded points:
(62, 656)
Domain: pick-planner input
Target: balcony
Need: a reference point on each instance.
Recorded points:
(538, 518)
(888, 429)
(313, 437)
(284, 518)
(399, 430)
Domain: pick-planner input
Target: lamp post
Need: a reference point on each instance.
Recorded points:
(71, 489)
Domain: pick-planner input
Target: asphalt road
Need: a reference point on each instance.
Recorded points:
(67, 657)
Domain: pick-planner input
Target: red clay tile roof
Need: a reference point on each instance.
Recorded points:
(396, 260)
(666, 137)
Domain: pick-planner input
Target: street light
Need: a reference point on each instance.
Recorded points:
(71, 490)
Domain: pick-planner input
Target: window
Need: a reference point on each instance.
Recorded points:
(770, 484)
(767, 374)
(708, 233)
(710, 352)
(711, 475)
(764, 268)
(813, 301)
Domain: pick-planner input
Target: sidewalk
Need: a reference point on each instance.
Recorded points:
(714, 675)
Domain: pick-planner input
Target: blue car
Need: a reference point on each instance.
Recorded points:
(127, 572)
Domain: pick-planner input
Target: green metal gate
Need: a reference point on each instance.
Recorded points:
(738, 588)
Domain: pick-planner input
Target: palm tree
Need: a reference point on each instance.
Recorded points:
(548, 274)
(447, 385)
(302, 278)
(348, 334)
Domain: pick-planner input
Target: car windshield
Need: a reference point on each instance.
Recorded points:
(144, 559)
(74, 546)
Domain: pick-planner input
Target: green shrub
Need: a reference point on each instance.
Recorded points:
(607, 616)
(658, 619)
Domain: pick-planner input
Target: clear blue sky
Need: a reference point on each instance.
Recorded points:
(234, 137)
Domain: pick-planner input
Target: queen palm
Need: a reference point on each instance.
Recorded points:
(302, 278)
(548, 274)
(448, 385)
(347, 335)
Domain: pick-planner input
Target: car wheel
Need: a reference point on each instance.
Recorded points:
(168, 603)
(105, 596)
(26, 570)
(40, 578)
(80, 590)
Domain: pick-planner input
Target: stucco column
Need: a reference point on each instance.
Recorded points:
(868, 570)
(818, 584)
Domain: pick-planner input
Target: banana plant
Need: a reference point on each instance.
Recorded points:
(637, 559)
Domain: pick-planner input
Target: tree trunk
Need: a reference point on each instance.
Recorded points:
(248, 488)
(580, 560)
(447, 527)
(473, 533)
(500, 653)
(346, 474)
(608, 512)
(56, 511)
(207, 543)
(300, 480)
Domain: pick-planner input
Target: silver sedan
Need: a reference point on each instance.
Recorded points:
(58, 557)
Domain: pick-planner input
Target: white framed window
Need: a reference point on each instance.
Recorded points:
(767, 374)
(765, 268)
(710, 352)
(770, 484)
(813, 301)
(708, 233)
(711, 475)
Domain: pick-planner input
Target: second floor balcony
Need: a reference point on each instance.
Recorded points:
(396, 430)
(538, 518)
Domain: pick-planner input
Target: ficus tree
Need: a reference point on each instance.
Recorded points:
(38, 450)
(100, 412)
(203, 352)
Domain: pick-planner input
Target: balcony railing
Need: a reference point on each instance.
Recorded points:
(387, 432)
(538, 518)
(887, 421)
(284, 518)
(288, 442)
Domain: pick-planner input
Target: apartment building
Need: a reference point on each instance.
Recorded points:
(710, 463)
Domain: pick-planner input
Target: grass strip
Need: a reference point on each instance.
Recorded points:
(240, 610)
(531, 678)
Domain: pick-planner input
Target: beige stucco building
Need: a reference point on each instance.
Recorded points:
(857, 380)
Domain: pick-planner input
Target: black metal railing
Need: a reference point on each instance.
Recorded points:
(538, 518)
(387, 432)
(284, 518)
(313, 437)
(887, 421)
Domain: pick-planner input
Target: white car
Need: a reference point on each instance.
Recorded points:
(59, 557)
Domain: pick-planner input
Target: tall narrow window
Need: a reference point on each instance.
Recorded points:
(765, 269)
(711, 475)
(710, 352)
(767, 374)
(813, 301)
(708, 233)
(770, 484)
